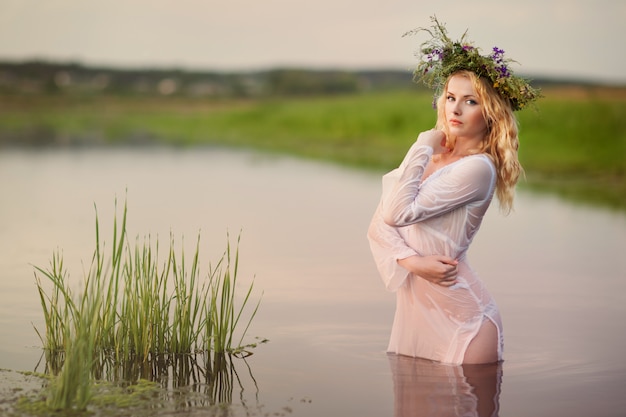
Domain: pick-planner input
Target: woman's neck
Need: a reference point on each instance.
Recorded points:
(465, 146)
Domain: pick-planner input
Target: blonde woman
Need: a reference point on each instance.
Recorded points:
(433, 204)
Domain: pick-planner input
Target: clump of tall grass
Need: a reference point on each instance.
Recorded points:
(134, 307)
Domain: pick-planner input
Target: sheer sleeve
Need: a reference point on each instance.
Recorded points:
(387, 246)
(386, 243)
(470, 179)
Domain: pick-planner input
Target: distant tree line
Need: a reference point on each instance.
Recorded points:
(39, 77)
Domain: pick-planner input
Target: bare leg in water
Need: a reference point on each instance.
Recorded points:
(484, 346)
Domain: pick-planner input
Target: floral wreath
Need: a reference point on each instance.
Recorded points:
(440, 57)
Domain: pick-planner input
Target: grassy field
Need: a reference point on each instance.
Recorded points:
(573, 144)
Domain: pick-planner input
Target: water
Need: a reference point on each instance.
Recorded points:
(556, 270)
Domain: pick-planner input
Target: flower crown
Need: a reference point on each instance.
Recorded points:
(440, 57)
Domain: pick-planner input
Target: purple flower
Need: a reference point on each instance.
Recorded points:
(497, 55)
(435, 53)
(503, 71)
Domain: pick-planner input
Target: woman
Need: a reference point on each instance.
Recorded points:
(433, 204)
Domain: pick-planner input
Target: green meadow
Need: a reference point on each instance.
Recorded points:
(573, 143)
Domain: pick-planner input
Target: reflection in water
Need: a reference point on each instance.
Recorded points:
(426, 388)
(210, 376)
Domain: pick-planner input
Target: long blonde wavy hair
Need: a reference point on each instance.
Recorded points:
(501, 142)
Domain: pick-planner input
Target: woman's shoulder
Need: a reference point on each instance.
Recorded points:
(480, 164)
(479, 160)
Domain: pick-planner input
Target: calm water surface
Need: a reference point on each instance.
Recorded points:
(557, 271)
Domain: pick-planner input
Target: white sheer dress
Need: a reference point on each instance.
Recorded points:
(437, 216)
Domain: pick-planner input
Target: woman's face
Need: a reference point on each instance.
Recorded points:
(463, 109)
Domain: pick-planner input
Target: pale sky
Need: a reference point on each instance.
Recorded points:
(556, 38)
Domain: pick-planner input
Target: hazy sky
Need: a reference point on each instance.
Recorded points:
(560, 38)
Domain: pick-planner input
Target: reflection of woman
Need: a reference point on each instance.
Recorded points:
(433, 204)
(426, 388)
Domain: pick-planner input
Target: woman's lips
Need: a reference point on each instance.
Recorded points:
(455, 122)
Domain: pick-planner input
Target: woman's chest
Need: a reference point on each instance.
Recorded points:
(436, 166)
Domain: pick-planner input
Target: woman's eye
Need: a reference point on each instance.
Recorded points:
(450, 98)
(472, 102)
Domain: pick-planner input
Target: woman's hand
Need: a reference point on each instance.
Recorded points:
(436, 139)
(438, 269)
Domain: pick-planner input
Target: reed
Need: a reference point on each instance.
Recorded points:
(133, 307)
(58, 307)
(72, 387)
(189, 301)
(221, 314)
